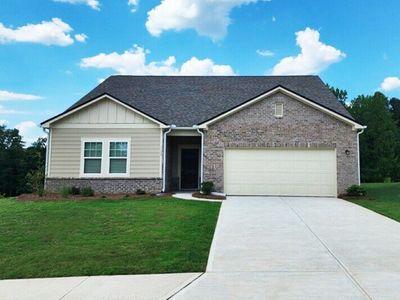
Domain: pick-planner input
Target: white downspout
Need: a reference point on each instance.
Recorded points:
(358, 153)
(201, 152)
(46, 163)
(165, 156)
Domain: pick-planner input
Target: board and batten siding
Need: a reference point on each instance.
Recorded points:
(67, 135)
(105, 112)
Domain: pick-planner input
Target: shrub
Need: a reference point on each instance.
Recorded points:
(207, 187)
(35, 181)
(387, 180)
(75, 190)
(65, 191)
(356, 190)
(87, 191)
(140, 192)
(40, 191)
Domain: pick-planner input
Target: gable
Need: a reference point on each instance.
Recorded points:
(104, 112)
(290, 95)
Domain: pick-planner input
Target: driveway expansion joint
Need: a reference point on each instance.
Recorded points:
(341, 264)
(73, 288)
(184, 287)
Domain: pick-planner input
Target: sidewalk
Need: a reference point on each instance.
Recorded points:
(121, 287)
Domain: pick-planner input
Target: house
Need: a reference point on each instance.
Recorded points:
(250, 135)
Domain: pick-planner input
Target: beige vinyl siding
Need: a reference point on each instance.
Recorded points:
(145, 149)
(105, 119)
(105, 111)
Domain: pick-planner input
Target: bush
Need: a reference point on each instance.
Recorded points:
(356, 190)
(207, 187)
(65, 191)
(35, 181)
(140, 192)
(75, 190)
(387, 180)
(87, 191)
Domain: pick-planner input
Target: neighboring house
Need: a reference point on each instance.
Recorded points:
(262, 135)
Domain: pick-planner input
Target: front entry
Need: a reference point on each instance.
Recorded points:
(189, 171)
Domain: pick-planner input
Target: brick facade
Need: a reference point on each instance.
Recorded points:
(107, 185)
(301, 126)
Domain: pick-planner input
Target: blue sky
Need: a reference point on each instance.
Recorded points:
(52, 52)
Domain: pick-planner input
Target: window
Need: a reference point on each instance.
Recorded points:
(118, 157)
(92, 157)
(105, 157)
(278, 110)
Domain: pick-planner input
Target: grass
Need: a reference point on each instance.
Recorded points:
(385, 199)
(104, 237)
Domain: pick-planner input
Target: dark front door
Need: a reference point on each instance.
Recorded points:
(189, 168)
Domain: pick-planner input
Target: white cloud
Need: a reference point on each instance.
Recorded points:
(5, 111)
(133, 5)
(81, 37)
(195, 66)
(265, 53)
(273, 19)
(3, 122)
(11, 96)
(29, 131)
(54, 32)
(390, 84)
(208, 17)
(314, 57)
(95, 4)
(133, 62)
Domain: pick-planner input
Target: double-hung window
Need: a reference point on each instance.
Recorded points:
(118, 157)
(92, 157)
(105, 157)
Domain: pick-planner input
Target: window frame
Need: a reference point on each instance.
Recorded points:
(84, 158)
(105, 157)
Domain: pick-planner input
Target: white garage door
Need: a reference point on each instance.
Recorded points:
(280, 172)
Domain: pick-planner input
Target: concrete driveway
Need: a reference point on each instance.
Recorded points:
(300, 248)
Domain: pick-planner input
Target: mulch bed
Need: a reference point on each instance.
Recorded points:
(212, 197)
(55, 196)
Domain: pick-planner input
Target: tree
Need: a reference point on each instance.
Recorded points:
(12, 163)
(395, 109)
(341, 95)
(35, 157)
(378, 144)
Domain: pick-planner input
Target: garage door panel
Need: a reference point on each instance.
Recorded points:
(300, 172)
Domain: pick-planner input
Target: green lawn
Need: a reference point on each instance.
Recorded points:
(385, 199)
(69, 238)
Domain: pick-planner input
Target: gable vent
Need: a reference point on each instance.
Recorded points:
(278, 110)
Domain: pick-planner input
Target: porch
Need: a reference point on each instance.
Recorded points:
(183, 161)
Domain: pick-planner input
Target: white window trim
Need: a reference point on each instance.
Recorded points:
(275, 113)
(105, 158)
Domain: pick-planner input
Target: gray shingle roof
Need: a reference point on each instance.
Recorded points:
(189, 100)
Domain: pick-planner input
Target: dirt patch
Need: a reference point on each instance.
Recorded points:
(213, 197)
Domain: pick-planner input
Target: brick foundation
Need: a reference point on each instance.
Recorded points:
(107, 185)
